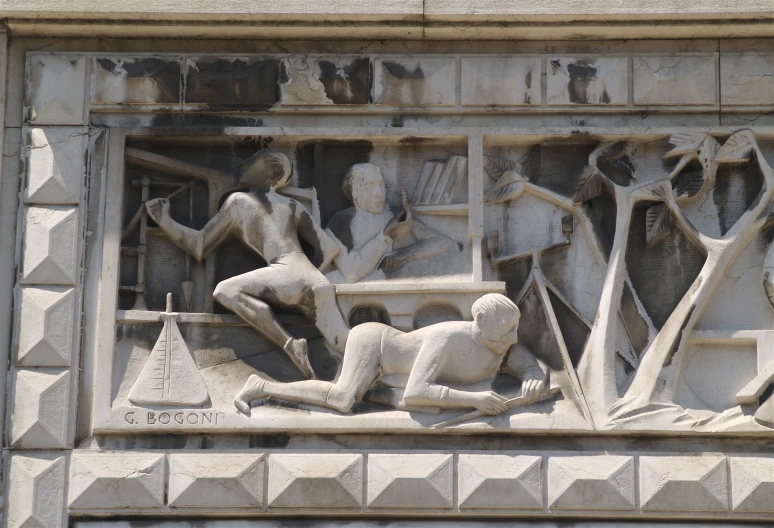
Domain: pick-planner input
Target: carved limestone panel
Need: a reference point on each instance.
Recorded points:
(272, 281)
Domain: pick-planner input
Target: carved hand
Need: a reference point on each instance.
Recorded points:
(158, 209)
(400, 224)
(490, 402)
(531, 389)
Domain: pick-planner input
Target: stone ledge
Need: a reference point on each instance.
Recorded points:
(449, 483)
(396, 19)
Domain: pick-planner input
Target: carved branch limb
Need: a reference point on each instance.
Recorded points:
(660, 355)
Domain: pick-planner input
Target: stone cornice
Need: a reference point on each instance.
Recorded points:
(392, 19)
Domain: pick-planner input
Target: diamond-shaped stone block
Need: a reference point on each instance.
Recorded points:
(500, 482)
(116, 480)
(683, 483)
(55, 165)
(45, 326)
(36, 483)
(410, 481)
(322, 480)
(40, 409)
(591, 483)
(752, 484)
(50, 245)
(56, 89)
(222, 480)
(411, 81)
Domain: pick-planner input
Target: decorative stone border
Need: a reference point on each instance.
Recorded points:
(621, 485)
(48, 480)
(628, 82)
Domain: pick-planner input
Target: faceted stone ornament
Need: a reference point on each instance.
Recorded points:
(50, 245)
(36, 483)
(752, 484)
(56, 89)
(683, 483)
(45, 337)
(312, 480)
(415, 82)
(216, 480)
(40, 409)
(501, 482)
(410, 481)
(55, 170)
(591, 483)
(116, 480)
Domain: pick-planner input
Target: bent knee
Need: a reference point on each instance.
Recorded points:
(323, 290)
(226, 292)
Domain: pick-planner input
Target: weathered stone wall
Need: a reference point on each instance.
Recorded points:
(76, 448)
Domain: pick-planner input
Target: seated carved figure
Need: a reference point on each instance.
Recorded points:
(271, 225)
(426, 368)
(370, 236)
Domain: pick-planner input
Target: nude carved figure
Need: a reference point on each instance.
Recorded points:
(271, 225)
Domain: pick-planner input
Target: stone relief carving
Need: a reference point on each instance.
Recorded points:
(415, 369)
(613, 250)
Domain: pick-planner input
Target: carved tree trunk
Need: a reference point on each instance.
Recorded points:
(596, 370)
(650, 380)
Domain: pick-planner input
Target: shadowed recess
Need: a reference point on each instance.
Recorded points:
(561, 166)
(661, 274)
(601, 212)
(535, 331)
(736, 187)
(323, 164)
(574, 332)
(636, 325)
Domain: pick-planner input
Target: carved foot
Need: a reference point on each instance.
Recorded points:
(253, 390)
(298, 352)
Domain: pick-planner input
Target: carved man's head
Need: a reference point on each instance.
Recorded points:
(364, 185)
(266, 169)
(497, 317)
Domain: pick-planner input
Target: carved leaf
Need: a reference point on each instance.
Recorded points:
(737, 149)
(590, 185)
(685, 143)
(529, 165)
(768, 286)
(509, 187)
(656, 223)
(497, 164)
(689, 183)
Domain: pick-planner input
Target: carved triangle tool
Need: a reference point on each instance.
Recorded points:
(170, 376)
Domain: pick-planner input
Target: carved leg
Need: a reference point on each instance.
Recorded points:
(358, 372)
(260, 315)
(327, 316)
(241, 294)
(257, 386)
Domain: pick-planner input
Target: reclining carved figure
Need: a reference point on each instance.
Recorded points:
(422, 366)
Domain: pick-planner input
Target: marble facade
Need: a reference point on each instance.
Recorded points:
(449, 281)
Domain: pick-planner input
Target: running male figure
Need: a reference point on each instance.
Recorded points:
(426, 368)
(271, 225)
